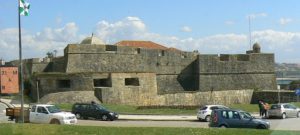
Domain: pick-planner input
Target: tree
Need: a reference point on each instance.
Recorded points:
(295, 84)
(49, 54)
(54, 51)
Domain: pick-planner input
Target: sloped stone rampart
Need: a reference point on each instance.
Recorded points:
(69, 97)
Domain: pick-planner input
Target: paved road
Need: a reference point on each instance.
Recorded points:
(285, 124)
(3, 118)
(276, 124)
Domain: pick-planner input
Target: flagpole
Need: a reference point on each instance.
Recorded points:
(20, 66)
(250, 34)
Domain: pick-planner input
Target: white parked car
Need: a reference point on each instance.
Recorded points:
(43, 113)
(205, 112)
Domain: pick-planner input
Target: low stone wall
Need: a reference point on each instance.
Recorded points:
(273, 97)
(133, 97)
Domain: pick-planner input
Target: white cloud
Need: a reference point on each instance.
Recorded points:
(36, 45)
(285, 45)
(186, 29)
(256, 15)
(284, 21)
(128, 28)
(280, 43)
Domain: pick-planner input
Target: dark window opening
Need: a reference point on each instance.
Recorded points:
(3, 72)
(102, 82)
(161, 53)
(110, 48)
(138, 50)
(132, 82)
(15, 72)
(224, 58)
(3, 87)
(64, 83)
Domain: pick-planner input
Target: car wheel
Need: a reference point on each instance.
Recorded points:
(104, 118)
(78, 115)
(54, 121)
(223, 126)
(207, 118)
(111, 119)
(283, 116)
(261, 127)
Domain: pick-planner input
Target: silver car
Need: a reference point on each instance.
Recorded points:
(283, 110)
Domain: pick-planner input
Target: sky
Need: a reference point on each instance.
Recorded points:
(209, 26)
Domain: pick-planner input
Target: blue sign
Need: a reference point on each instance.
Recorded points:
(297, 91)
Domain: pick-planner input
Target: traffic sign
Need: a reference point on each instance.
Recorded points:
(297, 91)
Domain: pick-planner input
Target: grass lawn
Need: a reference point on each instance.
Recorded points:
(41, 129)
(126, 109)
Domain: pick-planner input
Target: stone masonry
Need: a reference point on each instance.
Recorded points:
(142, 76)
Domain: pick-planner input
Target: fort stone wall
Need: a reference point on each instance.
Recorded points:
(177, 69)
(247, 71)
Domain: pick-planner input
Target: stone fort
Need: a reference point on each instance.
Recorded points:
(144, 73)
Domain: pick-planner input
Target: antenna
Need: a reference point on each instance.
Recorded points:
(250, 35)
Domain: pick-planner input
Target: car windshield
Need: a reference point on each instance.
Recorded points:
(53, 109)
(204, 108)
(275, 106)
(100, 107)
(293, 106)
(223, 107)
(245, 115)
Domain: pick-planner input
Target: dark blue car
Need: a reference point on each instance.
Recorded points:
(231, 118)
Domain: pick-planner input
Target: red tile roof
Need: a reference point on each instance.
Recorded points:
(144, 44)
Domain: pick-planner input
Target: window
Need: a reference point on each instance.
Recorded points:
(235, 115)
(110, 48)
(15, 72)
(3, 72)
(224, 114)
(245, 115)
(230, 115)
(213, 108)
(33, 108)
(138, 50)
(161, 53)
(3, 87)
(132, 82)
(64, 84)
(102, 82)
(41, 110)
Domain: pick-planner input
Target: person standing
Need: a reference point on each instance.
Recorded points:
(261, 108)
(266, 108)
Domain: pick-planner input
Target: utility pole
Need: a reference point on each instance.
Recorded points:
(37, 91)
